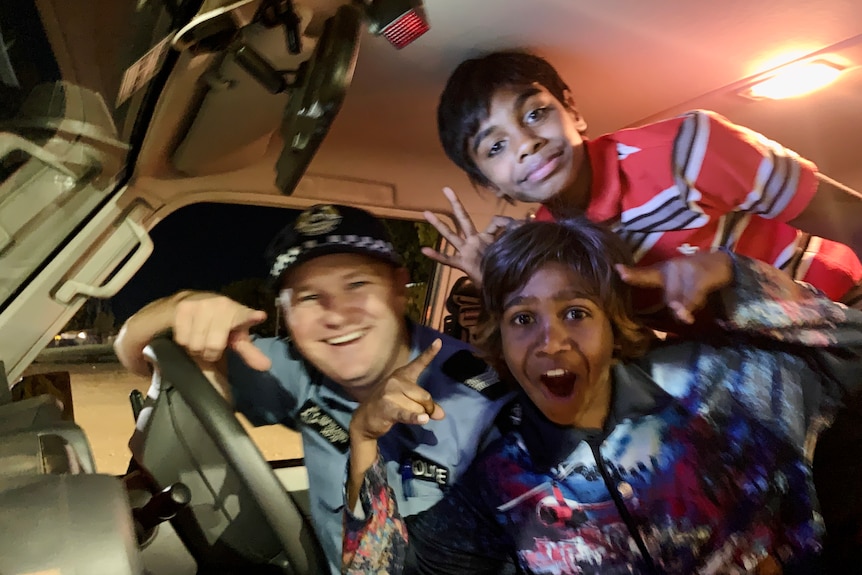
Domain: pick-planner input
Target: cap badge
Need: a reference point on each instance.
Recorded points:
(318, 220)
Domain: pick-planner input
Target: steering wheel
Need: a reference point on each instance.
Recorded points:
(302, 553)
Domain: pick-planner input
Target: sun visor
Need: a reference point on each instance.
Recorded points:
(315, 102)
(237, 113)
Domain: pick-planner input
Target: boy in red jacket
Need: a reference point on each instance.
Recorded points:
(695, 182)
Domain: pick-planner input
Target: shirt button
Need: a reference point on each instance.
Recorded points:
(625, 490)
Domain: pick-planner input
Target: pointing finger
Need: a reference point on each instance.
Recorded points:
(250, 354)
(414, 369)
(224, 329)
(677, 293)
(681, 312)
(695, 298)
(648, 276)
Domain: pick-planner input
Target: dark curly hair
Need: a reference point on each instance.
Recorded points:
(590, 250)
(467, 96)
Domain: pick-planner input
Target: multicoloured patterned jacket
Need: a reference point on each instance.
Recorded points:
(703, 466)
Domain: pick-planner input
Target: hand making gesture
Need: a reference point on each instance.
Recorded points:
(398, 399)
(469, 243)
(687, 281)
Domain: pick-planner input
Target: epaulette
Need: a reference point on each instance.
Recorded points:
(465, 367)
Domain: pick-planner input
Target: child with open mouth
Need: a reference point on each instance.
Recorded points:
(625, 454)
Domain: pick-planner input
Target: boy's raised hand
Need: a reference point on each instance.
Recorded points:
(469, 243)
(687, 281)
(398, 399)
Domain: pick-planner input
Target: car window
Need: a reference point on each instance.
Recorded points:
(70, 88)
(192, 251)
(220, 247)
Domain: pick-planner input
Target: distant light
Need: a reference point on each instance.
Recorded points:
(82, 335)
(57, 337)
(795, 80)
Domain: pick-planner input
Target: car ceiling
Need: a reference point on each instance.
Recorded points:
(627, 62)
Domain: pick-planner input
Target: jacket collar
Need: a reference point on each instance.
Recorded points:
(634, 395)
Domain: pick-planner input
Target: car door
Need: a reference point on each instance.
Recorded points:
(74, 80)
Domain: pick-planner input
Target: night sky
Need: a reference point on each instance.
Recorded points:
(205, 247)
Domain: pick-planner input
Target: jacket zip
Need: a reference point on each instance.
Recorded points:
(621, 507)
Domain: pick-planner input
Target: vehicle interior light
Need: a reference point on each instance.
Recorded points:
(399, 21)
(795, 80)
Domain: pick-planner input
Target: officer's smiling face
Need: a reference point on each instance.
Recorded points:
(558, 343)
(345, 314)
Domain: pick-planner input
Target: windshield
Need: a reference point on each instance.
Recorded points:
(73, 77)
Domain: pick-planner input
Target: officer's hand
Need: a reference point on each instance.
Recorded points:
(398, 399)
(469, 243)
(206, 324)
(686, 281)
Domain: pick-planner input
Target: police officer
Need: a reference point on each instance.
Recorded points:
(342, 290)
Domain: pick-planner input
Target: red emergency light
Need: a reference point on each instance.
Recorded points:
(399, 21)
(406, 29)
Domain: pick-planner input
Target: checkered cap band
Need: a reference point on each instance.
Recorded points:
(351, 243)
(329, 229)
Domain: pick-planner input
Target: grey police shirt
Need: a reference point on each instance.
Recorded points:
(422, 461)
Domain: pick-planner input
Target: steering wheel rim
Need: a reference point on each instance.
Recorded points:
(217, 418)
